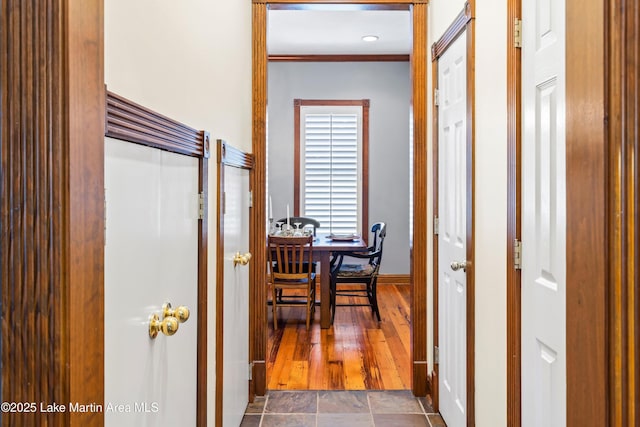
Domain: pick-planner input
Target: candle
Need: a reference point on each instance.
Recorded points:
(288, 225)
(270, 208)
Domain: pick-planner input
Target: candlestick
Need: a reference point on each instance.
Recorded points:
(270, 207)
(288, 225)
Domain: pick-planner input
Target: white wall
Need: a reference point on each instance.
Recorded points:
(189, 60)
(387, 86)
(490, 200)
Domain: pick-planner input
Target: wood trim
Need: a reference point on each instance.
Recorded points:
(623, 70)
(355, 4)
(458, 25)
(339, 58)
(514, 153)
(132, 122)
(364, 103)
(586, 155)
(471, 219)
(439, 48)
(227, 155)
(436, 214)
(419, 249)
(51, 157)
(203, 295)
(232, 156)
(394, 279)
(328, 6)
(258, 229)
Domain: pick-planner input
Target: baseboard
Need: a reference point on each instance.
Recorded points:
(394, 279)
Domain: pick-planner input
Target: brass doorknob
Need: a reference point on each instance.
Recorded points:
(181, 312)
(457, 265)
(168, 325)
(241, 259)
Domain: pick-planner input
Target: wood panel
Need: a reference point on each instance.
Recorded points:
(51, 125)
(132, 122)
(514, 129)
(420, 169)
(258, 182)
(623, 201)
(358, 353)
(586, 215)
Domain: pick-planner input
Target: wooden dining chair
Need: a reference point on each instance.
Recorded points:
(287, 271)
(364, 273)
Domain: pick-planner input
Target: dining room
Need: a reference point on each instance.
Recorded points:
(339, 151)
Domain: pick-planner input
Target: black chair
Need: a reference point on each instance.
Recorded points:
(305, 221)
(290, 254)
(365, 273)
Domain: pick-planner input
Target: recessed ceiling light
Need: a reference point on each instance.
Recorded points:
(370, 38)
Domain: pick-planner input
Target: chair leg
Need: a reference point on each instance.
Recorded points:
(332, 300)
(273, 307)
(374, 297)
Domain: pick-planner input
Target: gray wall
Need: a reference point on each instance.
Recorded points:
(387, 85)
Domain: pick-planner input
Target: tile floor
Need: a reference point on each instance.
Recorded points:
(397, 408)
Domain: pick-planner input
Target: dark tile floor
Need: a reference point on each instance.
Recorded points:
(397, 408)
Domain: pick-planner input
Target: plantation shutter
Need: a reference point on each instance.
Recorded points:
(331, 168)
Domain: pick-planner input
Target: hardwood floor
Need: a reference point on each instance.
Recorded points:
(356, 353)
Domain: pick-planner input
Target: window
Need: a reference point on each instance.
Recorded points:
(331, 167)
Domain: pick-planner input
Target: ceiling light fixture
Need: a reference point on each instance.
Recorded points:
(369, 38)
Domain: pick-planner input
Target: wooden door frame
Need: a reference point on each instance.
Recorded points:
(587, 358)
(127, 121)
(52, 210)
(463, 22)
(227, 155)
(258, 321)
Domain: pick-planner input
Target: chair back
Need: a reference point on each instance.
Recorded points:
(290, 254)
(305, 221)
(379, 230)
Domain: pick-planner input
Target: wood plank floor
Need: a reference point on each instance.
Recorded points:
(356, 353)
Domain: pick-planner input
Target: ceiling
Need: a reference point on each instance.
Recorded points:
(318, 32)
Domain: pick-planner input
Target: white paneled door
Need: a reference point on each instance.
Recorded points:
(151, 257)
(236, 297)
(452, 237)
(543, 214)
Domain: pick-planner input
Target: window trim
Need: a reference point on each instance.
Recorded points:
(364, 103)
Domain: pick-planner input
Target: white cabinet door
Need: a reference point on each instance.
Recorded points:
(452, 237)
(543, 214)
(235, 394)
(151, 257)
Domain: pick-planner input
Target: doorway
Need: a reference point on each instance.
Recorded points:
(418, 247)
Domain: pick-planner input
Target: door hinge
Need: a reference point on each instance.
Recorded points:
(250, 371)
(436, 355)
(436, 225)
(517, 254)
(201, 205)
(436, 97)
(517, 32)
(250, 198)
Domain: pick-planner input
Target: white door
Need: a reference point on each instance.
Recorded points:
(543, 214)
(151, 257)
(452, 237)
(235, 394)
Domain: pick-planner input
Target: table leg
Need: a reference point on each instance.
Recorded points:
(325, 291)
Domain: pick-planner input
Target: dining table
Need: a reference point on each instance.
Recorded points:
(324, 246)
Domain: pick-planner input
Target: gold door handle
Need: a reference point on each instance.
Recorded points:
(457, 265)
(181, 313)
(168, 325)
(241, 259)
